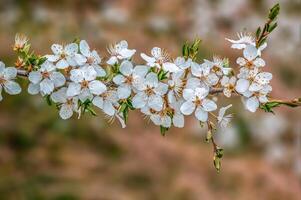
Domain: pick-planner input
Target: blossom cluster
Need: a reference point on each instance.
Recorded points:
(76, 78)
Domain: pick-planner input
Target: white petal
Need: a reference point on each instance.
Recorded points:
(252, 104)
(118, 79)
(71, 49)
(187, 108)
(242, 85)
(156, 119)
(225, 80)
(212, 79)
(112, 60)
(209, 105)
(201, 92)
(254, 87)
(10, 73)
(108, 108)
(126, 68)
(155, 102)
(250, 52)
(196, 69)
(46, 86)
(124, 91)
(139, 100)
(52, 58)
(188, 94)
(166, 121)
(71, 61)
(79, 59)
(193, 83)
(33, 89)
(201, 115)
(178, 120)
(96, 87)
(149, 60)
(259, 62)
(241, 61)
(170, 67)
(127, 53)
(263, 78)
(35, 77)
(89, 73)
(57, 49)
(12, 87)
(140, 70)
(76, 75)
(73, 89)
(62, 64)
(58, 79)
(84, 48)
(151, 79)
(100, 71)
(59, 96)
(85, 94)
(161, 89)
(66, 111)
(263, 99)
(98, 102)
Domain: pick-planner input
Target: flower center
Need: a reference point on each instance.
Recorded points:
(84, 84)
(249, 64)
(129, 79)
(216, 69)
(198, 101)
(90, 60)
(45, 74)
(149, 91)
(2, 80)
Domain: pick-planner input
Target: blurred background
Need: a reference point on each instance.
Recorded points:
(44, 157)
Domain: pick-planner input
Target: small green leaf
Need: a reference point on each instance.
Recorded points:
(272, 27)
(163, 130)
(258, 32)
(274, 11)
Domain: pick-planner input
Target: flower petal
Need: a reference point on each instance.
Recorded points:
(98, 102)
(71, 49)
(57, 49)
(84, 48)
(209, 105)
(155, 102)
(123, 91)
(33, 89)
(73, 89)
(62, 64)
(201, 115)
(46, 86)
(66, 111)
(96, 87)
(126, 68)
(10, 73)
(250, 52)
(12, 87)
(170, 67)
(139, 100)
(57, 78)
(242, 85)
(178, 120)
(252, 104)
(35, 77)
(187, 107)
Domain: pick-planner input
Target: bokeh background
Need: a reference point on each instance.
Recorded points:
(44, 157)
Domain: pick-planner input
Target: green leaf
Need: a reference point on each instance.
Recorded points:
(48, 100)
(258, 32)
(163, 130)
(274, 11)
(272, 27)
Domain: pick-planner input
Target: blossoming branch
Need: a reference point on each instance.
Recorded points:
(76, 80)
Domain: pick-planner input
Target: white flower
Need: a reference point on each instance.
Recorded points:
(203, 72)
(150, 94)
(217, 66)
(67, 105)
(253, 81)
(228, 85)
(65, 56)
(245, 39)
(91, 58)
(108, 102)
(176, 86)
(6, 77)
(254, 99)
(120, 51)
(130, 78)
(195, 100)
(84, 84)
(182, 63)
(224, 120)
(251, 58)
(159, 59)
(45, 79)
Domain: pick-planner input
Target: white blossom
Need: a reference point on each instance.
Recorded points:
(45, 79)
(224, 120)
(228, 84)
(195, 100)
(159, 59)
(129, 78)
(107, 102)
(176, 86)
(204, 73)
(151, 93)
(65, 56)
(253, 100)
(67, 105)
(250, 59)
(120, 51)
(7, 75)
(91, 58)
(84, 83)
